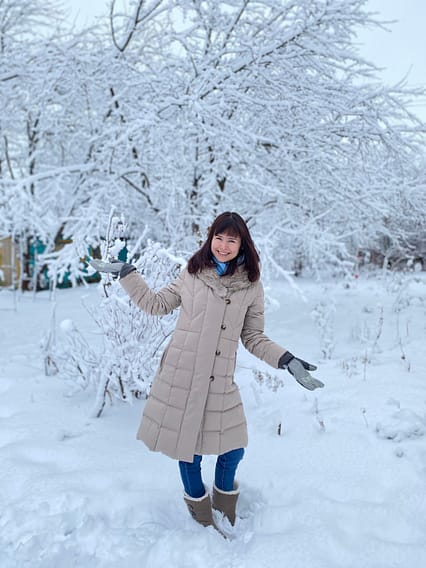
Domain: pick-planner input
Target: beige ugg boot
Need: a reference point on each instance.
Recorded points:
(226, 502)
(200, 509)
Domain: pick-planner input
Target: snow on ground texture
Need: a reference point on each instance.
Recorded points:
(343, 486)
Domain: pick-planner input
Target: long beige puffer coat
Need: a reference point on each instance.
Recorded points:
(194, 405)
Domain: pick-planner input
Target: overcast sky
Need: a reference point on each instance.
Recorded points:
(400, 52)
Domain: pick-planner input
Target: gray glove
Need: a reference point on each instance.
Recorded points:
(299, 369)
(114, 267)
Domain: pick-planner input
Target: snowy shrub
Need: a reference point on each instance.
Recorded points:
(318, 416)
(272, 382)
(323, 316)
(350, 366)
(271, 407)
(410, 294)
(123, 364)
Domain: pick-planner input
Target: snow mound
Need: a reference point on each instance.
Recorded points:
(67, 326)
(404, 424)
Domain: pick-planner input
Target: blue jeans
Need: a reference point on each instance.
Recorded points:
(226, 466)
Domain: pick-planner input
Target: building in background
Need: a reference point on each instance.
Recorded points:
(9, 263)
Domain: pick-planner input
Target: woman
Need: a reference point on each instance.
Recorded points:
(194, 406)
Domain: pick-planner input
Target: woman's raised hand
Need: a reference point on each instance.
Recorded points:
(112, 267)
(299, 369)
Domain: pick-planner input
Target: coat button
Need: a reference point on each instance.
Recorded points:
(218, 352)
(227, 301)
(223, 326)
(211, 378)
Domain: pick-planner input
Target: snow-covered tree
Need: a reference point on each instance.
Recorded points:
(40, 135)
(176, 110)
(263, 107)
(122, 363)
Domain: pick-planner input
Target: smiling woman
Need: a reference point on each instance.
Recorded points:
(228, 246)
(194, 406)
(225, 247)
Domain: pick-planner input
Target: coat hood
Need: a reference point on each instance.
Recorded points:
(223, 285)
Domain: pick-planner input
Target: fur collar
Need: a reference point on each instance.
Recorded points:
(224, 285)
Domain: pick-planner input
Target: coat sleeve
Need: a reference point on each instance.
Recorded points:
(154, 303)
(253, 336)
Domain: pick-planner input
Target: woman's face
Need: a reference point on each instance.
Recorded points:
(225, 247)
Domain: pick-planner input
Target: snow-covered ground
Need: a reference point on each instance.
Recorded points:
(343, 486)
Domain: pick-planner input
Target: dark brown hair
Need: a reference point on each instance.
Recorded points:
(234, 225)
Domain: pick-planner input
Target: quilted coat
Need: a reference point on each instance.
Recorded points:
(194, 405)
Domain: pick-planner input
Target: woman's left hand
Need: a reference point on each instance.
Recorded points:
(299, 369)
(302, 376)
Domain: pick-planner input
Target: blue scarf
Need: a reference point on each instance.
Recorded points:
(221, 267)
